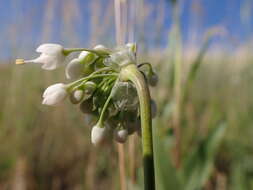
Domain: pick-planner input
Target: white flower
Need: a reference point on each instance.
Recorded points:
(97, 134)
(54, 94)
(121, 135)
(51, 56)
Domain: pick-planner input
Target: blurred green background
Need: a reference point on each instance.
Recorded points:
(203, 129)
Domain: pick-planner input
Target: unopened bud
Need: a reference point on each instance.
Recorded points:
(74, 69)
(102, 49)
(121, 135)
(98, 134)
(153, 79)
(76, 96)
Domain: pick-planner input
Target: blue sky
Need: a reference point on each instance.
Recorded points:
(21, 22)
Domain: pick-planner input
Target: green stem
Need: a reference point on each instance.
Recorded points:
(102, 115)
(150, 69)
(131, 72)
(73, 84)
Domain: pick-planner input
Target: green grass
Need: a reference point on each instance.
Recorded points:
(216, 124)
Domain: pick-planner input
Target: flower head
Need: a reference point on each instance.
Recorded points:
(102, 86)
(54, 94)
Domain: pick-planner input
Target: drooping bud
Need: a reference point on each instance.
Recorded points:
(120, 135)
(76, 96)
(54, 94)
(153, 79)
(89, 87)
(87, 57)
(102, 49)
(98, 134)
(74, 69)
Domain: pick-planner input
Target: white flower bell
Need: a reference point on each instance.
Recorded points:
(97, 134)
(51, 56)
(54, 94)
(121, 135)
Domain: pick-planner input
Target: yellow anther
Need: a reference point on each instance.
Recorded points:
(20, 61)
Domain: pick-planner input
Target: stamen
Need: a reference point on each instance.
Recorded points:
(20, 61)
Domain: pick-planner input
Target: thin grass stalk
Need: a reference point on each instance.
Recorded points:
(122, 168)
(119, 41)
(176, 120)
(133, 138)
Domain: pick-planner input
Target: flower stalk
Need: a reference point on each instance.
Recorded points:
(131, 72)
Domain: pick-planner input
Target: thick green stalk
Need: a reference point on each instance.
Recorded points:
(130, 72)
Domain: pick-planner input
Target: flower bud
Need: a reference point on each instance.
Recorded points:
(87, 57)
(121, 135)
(89, 87)
(54, 94)
(76, 96)
(74, 69)
(153, 79)
(98, 134)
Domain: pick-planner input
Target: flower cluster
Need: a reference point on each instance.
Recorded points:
(97, 86)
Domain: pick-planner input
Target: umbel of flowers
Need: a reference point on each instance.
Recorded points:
(109, 85)
(99, 86)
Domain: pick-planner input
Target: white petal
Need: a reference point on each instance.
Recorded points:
(99, 47)
(41, 59)
(97, 135)
(50, 49)
(83, 54)
(102, 48)
(55, 97)
(49, 62)
(53, 88)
